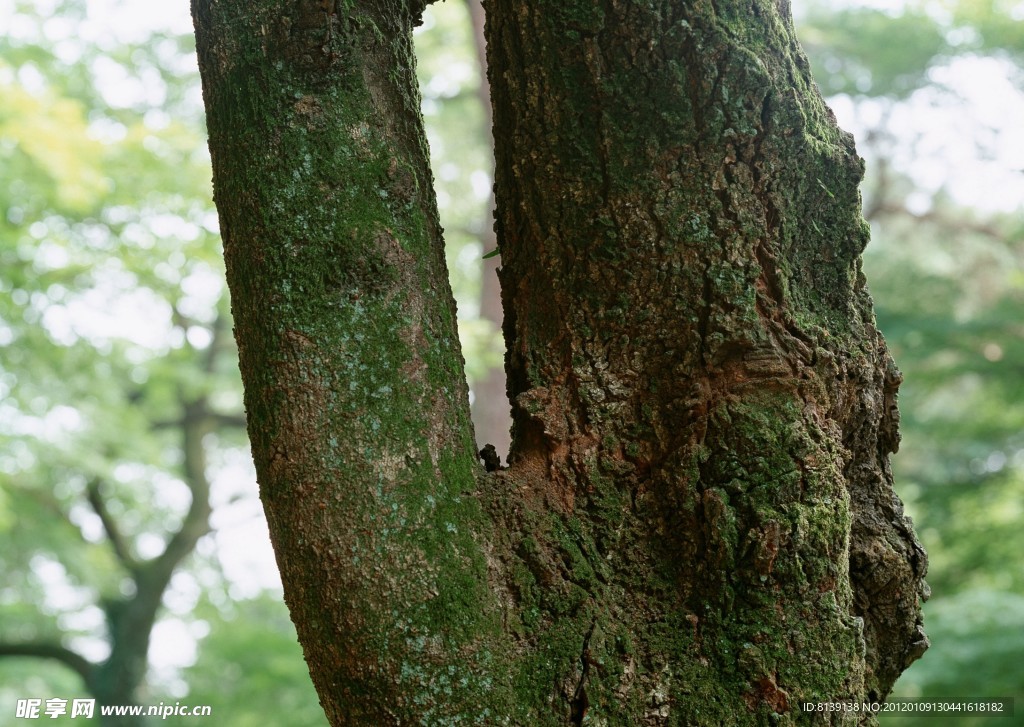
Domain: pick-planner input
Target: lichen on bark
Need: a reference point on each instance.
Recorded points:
(355, 397)
(699, 393)
(697, 526)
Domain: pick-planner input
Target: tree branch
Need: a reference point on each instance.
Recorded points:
(131, 619)
(217, 419)
(937, 218)
(117, 540)
(55, 652)
(195, 423)
(217, 330)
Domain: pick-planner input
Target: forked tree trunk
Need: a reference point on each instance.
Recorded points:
(698, 525)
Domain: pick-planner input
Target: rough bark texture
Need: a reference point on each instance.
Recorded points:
(703, 408)
(354, 390)
(698, 525)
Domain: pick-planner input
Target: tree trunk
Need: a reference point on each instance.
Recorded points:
(490, 408)
(356, 400)
(696, 377)
(698, 525)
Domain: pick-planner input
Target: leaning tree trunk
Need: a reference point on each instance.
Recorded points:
(698, 525)
(354, 391)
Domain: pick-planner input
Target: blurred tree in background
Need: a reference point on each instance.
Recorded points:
(121, 420)
(934, 92)
(119, 397)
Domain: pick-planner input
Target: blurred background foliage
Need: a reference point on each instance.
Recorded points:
(113, 313)
(933, 93)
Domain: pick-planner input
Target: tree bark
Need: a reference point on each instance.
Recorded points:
(698, 385)
(698, 525)
(354, 390)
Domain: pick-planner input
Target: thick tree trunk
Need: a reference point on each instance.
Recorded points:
(354, 390)
(701, 400)
(698, 525)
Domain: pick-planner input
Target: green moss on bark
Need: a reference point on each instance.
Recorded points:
(693, 365)
(698, 496)
(353, 377)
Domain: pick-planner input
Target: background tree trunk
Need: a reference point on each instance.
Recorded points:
(120, 679)
(490, 407)
(698, 525)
